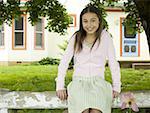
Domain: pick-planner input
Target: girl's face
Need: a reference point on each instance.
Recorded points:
(90, 23)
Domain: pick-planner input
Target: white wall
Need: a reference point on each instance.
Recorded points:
(113, 19)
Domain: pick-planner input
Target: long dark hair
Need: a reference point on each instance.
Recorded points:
(81, 33)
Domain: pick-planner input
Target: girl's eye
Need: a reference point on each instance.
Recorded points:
(93, 20)
(85, 21)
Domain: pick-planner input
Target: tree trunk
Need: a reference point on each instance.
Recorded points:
(143, 7)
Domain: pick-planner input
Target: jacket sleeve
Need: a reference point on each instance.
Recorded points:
(64, 63)
(114, 65)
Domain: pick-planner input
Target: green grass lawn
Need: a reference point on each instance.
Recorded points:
(142, 110)
(36, 111)
(42, 78)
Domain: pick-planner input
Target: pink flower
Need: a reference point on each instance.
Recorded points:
(128, 101)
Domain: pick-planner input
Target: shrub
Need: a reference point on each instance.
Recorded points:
(47, 61)
(35, 63)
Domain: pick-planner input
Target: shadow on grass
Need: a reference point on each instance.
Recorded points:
(116, 110)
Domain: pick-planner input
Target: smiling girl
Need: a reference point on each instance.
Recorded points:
(91, 46)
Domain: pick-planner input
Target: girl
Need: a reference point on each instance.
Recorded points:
(91, 46)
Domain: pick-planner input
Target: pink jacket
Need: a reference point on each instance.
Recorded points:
(91, 63)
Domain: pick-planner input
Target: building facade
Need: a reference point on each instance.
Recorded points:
(22, 43)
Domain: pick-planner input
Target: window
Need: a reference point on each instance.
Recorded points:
(39, 35)
(19, 31)
(72, 20)
(126, 48)
(2, 35)
(133, 48)
(129, 31)
(19, 39)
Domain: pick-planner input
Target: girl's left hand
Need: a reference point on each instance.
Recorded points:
(115, 94)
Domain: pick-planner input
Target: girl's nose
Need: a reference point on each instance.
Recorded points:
(89, 24)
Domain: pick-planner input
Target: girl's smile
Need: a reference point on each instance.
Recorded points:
(90, 22)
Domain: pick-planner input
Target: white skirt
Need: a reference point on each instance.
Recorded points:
(89, 92)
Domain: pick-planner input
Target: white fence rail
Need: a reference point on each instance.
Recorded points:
(48, 100)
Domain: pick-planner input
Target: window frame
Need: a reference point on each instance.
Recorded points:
(74, 20)
(122, 42)
(23, 47)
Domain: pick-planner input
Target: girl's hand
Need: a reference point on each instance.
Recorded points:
(62, 94)
(115, 94)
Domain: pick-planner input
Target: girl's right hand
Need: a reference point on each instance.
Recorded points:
(115, 94)
(62, 94)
